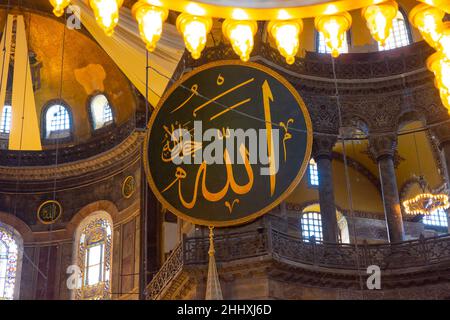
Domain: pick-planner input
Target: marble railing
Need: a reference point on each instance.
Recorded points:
(292, 250)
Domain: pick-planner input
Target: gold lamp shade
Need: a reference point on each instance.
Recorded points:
(240, 33)
(59, 6)
(379, 19)
(286, 35)
(333, 28)
(195, 30)
(429, 22)
(106, 14)
(150, 20)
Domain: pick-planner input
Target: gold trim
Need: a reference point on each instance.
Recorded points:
(277, 12)
(284, 195)
(43, 204)
(123, 187)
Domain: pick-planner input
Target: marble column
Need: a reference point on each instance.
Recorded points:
(383, 149)
(322, 150)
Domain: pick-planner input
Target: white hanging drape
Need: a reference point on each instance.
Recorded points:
(128, 51)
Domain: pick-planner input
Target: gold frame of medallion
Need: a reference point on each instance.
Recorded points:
(43, 204)
(284, 195)
(123, 187)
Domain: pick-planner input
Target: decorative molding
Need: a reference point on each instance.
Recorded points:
(77, 168)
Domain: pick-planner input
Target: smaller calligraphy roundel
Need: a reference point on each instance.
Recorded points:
(227, 143)
(49, 212)
(128, 187)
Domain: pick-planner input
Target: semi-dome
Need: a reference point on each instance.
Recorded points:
(95, 182)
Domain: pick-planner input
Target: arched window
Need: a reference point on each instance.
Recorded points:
(312, 226)
(399, 35)
(10, 259)
(94, 258)
(101, 112)
(5, 124)
(321, 46)
(313, 173)
(57, 122)
(438, 219)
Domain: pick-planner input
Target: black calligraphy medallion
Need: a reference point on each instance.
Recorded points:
(49, 212)
(227, 143)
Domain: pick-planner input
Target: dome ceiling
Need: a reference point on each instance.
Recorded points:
(82, 65)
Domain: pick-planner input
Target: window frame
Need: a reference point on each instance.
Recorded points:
(438, 228)
(48, 105)
(4, 135)
(305, 239)
(310, 184)
(91, 116)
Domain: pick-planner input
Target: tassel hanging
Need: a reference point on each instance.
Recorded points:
(213, 289)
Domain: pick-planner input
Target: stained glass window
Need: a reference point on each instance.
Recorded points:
(437, 218)
(5, 121)
(323, 48)
(312, 226)
(101, 111)
(94, 258)
(9, 255)
(57, 122)
(313, 173)
(398, 36)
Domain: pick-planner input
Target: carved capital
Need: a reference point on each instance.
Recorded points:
(383, 145)
(323, 146)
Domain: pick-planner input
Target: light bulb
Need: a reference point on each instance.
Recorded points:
(195, 30)
(286, 35)
(106, 14)
(240, 33)
(444, 41)
(59, 6)
(429, 22)
(150, 20)
(333, 28)
(379, 19)
(441, 69)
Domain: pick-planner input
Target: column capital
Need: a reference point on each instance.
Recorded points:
(382, 145)
(323, 146)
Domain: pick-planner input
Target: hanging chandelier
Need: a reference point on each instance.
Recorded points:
(425, 203)
(285, 23)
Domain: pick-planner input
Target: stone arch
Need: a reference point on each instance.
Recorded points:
(408, 116)
(101, 205)
(20, 226)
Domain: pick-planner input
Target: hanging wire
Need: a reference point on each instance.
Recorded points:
(57, 145)
(347, 176)
(145, 187)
